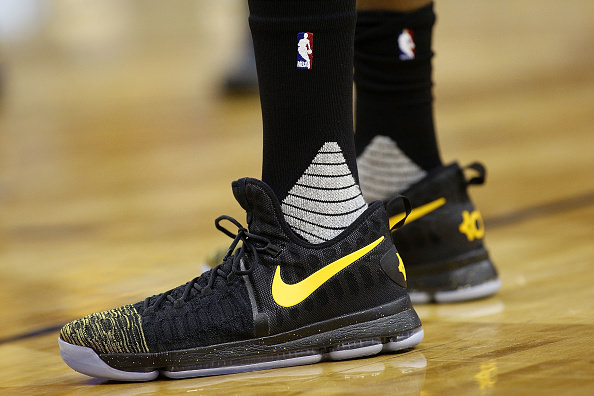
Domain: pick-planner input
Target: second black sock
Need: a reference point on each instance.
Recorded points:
(393, 79)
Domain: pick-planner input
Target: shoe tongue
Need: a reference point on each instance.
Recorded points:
(261, 206)
(239, 191)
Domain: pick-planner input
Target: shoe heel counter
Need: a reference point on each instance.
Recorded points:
(464, 219)
(453, 230)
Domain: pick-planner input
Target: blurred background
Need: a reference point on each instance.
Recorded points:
(118, 139)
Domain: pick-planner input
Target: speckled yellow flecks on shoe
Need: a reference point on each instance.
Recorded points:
(118, 330)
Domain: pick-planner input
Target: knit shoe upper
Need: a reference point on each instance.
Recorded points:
(360, 286)
(115, 331)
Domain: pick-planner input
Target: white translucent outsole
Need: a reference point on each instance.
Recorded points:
(471, 293)
(86, 361)
(406, 343)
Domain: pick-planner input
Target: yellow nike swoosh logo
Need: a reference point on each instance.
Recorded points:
(288, 295)
(417, 212)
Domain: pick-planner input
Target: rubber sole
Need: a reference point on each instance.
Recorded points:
(87, 361)
(396, 326)
(464, 278)
(459, 295)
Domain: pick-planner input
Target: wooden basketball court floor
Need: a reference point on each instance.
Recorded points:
(117, 150)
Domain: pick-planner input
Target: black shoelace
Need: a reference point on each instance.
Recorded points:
(231, 265)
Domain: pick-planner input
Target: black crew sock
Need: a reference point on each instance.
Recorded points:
(394, 99)
(302, 109)
(304, 58)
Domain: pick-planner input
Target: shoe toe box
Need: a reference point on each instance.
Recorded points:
(118, 330)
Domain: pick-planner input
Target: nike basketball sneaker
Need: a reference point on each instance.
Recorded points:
(441, 241)
(275, 300)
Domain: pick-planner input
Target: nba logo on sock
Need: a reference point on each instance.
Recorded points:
(406, 45)
(304, 50)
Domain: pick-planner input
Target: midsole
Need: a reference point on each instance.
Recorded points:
(386, 321)
(473, 274)
(449, 265)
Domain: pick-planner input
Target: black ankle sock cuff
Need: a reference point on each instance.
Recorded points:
(296, 15)
(424, 16)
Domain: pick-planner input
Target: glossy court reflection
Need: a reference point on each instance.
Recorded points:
(404, 373)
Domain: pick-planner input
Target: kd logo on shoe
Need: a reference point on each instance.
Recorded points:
(472, 225)
(288, 295)
(418, 212)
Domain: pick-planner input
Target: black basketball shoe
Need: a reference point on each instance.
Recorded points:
(276, 301)
(442, 239)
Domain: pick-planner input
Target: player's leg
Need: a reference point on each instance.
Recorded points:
(398, 154)
(317, 275)
(307, 112)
